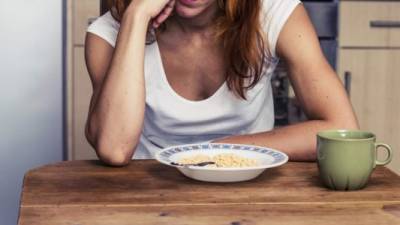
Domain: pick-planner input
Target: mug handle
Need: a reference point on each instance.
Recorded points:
(389, 154)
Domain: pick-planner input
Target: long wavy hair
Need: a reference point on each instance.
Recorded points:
(240, 32)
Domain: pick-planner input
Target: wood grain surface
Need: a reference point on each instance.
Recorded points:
(145, 192)
(209, 215)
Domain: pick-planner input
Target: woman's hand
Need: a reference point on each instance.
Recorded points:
(155, 10)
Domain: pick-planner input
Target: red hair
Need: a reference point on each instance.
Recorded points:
(239, 30)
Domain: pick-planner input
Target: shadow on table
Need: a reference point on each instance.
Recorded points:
(316, 181)
(171, 174)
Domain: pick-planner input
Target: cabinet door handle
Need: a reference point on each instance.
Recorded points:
(384, 24)
(347, 82)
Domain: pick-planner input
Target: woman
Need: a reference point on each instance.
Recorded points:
(204, 75)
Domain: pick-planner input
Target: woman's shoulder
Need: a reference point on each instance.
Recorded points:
(274, 16)
(105, 27)
(268, 4)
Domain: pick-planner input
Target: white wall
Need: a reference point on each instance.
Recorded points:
(30, 94)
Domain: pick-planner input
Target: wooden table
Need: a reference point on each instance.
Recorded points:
(145, 192)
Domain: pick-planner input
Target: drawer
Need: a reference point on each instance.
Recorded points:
(83, 11)
(369, 24)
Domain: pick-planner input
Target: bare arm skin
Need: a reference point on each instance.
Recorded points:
(118, 103)
(317, 87)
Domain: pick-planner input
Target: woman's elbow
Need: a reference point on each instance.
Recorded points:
(116, 158)
(114, 155)
(110, 154)
(346, 124)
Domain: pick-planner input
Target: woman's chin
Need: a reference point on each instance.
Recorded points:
(187, 12)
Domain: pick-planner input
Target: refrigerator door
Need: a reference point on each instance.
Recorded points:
(324, 16)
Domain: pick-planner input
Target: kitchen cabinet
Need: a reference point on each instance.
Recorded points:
(374, 24)
(84, 12)
(81, 100)
(79, 89)
(369, 55)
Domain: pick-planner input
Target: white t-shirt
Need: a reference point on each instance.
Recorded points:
(171, 119)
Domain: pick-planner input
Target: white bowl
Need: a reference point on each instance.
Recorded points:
(266, 158)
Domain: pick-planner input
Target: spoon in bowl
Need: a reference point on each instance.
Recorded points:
(201, 164)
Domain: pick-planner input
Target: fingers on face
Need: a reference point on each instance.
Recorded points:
(165, 13)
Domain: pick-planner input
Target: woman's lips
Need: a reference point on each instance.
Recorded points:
(188, 2)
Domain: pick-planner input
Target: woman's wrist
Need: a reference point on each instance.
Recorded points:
(135, 12)
(135, 21)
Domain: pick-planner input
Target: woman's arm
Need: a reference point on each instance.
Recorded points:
(117, 106)
(317, 87)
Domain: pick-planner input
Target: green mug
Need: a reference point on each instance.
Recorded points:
(346, 158)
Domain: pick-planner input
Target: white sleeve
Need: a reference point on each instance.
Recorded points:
(105, 27)
(275, 15)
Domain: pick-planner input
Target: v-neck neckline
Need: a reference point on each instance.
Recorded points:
(217, 93)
